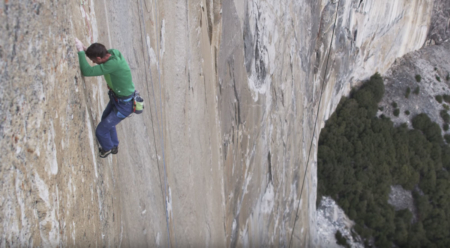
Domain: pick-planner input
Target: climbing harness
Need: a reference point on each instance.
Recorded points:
(138, 101)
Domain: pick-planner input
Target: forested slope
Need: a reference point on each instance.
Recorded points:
(360, 156)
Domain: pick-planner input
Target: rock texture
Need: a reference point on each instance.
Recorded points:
(402, 199)
(432, 64)
(439, 30)
(330, 219)
(54, 190)
(224, 154)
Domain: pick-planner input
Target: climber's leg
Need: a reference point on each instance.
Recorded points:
(106, 130)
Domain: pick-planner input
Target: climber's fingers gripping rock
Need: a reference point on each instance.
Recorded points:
(79, 45)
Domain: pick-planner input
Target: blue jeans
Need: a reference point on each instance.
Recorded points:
(115, 112)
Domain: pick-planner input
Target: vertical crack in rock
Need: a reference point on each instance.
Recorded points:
(16, 32)
(260, 66)
(248, 43)
(37, 8)
(238, 104)
(236, 95)
(208, 17)
(269, 166)
(235, 232)
(317, 64)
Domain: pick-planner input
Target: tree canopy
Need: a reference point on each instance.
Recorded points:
(360, 156)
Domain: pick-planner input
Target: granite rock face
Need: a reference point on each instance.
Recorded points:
(225, 152)
(54, 190)
(330, 219)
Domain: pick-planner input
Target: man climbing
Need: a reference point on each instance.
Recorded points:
(113, 66)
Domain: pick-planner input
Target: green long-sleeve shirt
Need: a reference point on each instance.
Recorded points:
(116, 71)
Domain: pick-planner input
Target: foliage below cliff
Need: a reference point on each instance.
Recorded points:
(360, 156)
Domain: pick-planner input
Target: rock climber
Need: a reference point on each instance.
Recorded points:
(113, 66)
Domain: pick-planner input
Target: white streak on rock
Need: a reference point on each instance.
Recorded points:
(43, 189)
(93, 22)
(169, 203)
(151, 52)
(268, 200)
(91, 141)
(51, 150)
(158, 239)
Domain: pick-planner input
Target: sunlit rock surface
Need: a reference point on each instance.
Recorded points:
(330, 219)
(402, 199)
(432, 64)
(236, 93)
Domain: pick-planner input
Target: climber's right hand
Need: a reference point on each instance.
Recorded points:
(79, 45)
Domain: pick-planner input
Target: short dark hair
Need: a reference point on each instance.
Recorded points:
(96, 50)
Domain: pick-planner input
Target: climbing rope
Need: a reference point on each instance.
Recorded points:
(160, 127)
(315, 123)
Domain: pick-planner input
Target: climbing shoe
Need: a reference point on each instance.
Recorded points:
(103, 153)
(115, 150)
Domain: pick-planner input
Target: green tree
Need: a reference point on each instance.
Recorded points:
(445, 116)
(394, 105)
(428, 182)
(396, 112)
(360, 156)
(401, 233)
(418, 78)
(421, 121)
(417, 236)
(423, 205)
(340, 239)
(445, 157)
(433, 133)
(446, 98)
(436, 226)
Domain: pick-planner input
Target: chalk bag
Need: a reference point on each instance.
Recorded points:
(138, 104)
